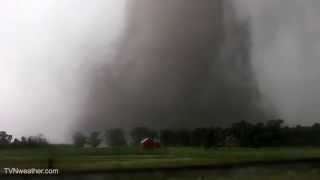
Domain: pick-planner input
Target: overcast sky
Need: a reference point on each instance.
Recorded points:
(286, 55)
(46, 49)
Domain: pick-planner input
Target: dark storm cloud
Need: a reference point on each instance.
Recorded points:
(181, 63)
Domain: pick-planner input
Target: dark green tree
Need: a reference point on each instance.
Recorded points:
(115, 138)
(168, 137)
(24, 141)
(79, 139)
(183, 137)
(243, 132)
(5, 139)
(94, 139)
(37, 141)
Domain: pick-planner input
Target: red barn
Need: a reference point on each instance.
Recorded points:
(149, 143)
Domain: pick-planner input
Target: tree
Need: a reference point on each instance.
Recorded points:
(277, 123)
(212, 137)
(168, 137)
(5, 139)
(24, 141)
(199, 137)
(139, 133)
(79, 140)
(243, 132)
(16, 142)
(183, 137)
(94, 139)
(115, 138)
(268, 134)
(37, 141)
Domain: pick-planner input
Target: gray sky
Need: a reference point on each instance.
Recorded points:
(46, 49)
(286, 54)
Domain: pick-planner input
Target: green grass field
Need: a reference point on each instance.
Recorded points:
(107, 159)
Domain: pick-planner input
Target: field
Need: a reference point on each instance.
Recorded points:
(69, 159)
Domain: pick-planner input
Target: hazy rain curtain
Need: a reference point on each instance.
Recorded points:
(180, 63)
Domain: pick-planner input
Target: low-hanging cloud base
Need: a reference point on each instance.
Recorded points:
(180, 64)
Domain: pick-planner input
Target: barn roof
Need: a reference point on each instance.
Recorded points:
(145, 140)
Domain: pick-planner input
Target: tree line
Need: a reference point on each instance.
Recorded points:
(116, 137)
(7, 140)
(272, 133)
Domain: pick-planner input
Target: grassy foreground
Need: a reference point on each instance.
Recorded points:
(107, 159)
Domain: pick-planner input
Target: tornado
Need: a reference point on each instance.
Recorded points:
(178, 64)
